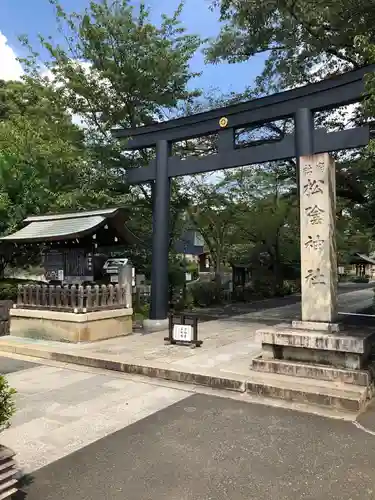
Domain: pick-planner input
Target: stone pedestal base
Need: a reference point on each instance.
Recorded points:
(70, 327)
(155, 325)
(313, 364)
(316, 326)
(342, 349)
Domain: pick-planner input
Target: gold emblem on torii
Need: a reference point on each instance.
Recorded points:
(223, 122)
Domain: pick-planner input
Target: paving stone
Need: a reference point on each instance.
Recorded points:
(207, 448)
(52, 422)
(9, 365)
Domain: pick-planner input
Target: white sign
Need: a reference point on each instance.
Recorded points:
(60, 275)
(188, 276)
(183, 333)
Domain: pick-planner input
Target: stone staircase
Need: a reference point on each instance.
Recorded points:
(8, 473)
(329, 369)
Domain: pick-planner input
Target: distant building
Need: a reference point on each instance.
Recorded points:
(191, 245)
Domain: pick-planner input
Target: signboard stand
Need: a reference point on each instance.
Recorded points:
(183, 330)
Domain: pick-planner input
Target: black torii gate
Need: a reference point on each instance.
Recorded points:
(300, 104)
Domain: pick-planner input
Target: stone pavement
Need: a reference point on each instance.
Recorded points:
(223, 361)
(10, 365)
(83, 433)
(209, 448)
(61, 410)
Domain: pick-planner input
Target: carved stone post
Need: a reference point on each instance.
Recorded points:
(318, 240)
(125, 278)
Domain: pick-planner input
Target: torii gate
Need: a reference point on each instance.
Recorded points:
(316, 177)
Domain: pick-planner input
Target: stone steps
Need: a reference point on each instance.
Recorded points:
(312, 339)
(8, 472)
(347, 397)
(312, 371)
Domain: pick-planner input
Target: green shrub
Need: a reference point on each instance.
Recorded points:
(263, 288)
(8, 291)
(206, 293)
(7, 404)
(143, 311)
(9, 287)
(184, 301)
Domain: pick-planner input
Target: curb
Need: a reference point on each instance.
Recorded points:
(214, 382)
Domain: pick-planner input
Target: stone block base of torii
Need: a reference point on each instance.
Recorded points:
(316, 360)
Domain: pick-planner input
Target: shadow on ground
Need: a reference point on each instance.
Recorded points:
(206, 447)
(24, 483)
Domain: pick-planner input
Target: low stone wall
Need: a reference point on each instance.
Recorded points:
(71, 327)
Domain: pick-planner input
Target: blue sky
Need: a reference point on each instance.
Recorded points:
(36, 16)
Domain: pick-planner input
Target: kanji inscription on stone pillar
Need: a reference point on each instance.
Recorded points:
(318, 239)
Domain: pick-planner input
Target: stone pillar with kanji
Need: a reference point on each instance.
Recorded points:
(318, 240)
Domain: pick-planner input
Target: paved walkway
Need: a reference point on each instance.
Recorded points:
(351, 303)
(224, 359)
(228, 346)
(88, 434)
(209, 448)
(61, 410)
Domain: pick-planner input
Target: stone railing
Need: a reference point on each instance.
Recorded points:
(72, 298)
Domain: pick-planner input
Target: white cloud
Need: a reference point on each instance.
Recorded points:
(10, 68)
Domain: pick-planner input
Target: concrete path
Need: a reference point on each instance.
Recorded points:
(205, 447)
(9, 365)
(61, 410)
(349, 302)
(223, 361)
(88, 434)
(229, 310)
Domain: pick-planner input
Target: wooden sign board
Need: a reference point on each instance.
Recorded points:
(183, 330)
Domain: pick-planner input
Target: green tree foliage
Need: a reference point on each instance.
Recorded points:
(7, 403)
(43, 164)
(117, 69)
(212, 214)
(304, 40)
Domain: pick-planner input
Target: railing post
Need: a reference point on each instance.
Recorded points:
(80, 298)
(104, 297)
(58, 296)
(73, 297)
(96, 300)
(19, 295)
(110, 295)
(88, 297)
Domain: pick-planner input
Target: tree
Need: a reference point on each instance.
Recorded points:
(304, 40)
(44, 163)
(117, 69)
(212, 214)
